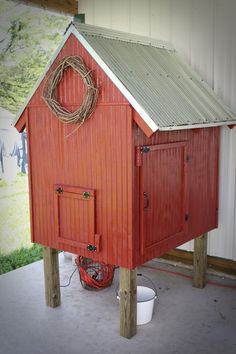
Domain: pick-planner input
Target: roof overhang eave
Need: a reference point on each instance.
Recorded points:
(195, 126)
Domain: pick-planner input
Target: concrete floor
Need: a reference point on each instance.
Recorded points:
(185, 321)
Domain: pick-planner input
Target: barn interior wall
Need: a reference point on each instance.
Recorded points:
(203, 32)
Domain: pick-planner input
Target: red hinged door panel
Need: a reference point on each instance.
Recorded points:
(75, 217)
(164, 193)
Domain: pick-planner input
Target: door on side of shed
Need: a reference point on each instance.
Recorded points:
(164, 194)
(75, 217)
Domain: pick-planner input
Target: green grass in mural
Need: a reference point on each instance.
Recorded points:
(14, 215)
(16, 249)
(20, 258)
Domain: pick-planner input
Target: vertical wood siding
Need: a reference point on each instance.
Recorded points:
(203, 31)
(202, 206)
(97, 156)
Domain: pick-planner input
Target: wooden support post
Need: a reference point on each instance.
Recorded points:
(51, 277)
(128, 302)
(200, 261)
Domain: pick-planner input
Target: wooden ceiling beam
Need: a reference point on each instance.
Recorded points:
(66, 6)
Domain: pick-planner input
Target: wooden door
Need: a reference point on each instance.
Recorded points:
(164, 193)
(75, 217)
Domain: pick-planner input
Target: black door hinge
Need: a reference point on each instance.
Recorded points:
(145, 149)
(140, 150)
(91, 248)
(187, 158)
(59, 190)
(186, 217)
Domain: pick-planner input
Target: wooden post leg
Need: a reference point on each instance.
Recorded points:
(200, 261)
(128, 302)
(51, 277)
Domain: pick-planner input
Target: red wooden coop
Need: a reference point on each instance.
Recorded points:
(140, 175)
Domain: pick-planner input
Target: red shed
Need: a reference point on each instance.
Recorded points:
(136, 179)
(148, 155)
(140, 176)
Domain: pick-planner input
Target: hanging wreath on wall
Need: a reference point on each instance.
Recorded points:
(90, 96)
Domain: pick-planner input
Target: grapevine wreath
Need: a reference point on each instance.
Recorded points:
(90, 97)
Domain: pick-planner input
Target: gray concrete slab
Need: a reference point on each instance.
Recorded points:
(185, 321)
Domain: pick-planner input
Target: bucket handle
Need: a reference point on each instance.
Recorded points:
(150, 281)
(140, 275)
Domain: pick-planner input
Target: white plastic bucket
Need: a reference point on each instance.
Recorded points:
(145, 304)
(70, 256)
(67, 255)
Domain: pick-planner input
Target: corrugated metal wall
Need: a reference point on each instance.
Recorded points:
(204, 32)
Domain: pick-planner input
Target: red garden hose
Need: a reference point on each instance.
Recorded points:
(94, 275)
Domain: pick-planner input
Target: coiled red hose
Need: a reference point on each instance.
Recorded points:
(96, 275)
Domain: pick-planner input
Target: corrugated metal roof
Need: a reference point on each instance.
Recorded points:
(167, 89)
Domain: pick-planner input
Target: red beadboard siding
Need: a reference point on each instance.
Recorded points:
(203, 146)
(95, 156)
(79, 157)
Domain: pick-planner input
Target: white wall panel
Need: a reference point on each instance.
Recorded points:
(223, 49)
(204, 33)
(120, 15)
(221, 241)
(181, 24)
(233, 56)
(202, 38)
(87, 7)
(140, 9)
(102, 13)
(160, 19)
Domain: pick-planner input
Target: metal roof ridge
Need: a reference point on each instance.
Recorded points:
(97, 31)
